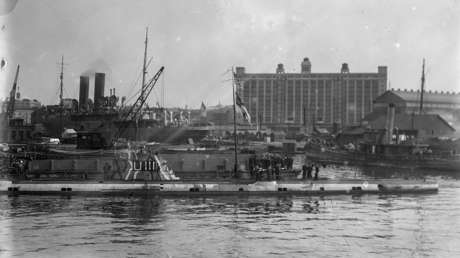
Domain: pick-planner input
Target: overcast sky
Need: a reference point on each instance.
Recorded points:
(198, 41)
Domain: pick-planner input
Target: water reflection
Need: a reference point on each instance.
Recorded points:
(372, 172)
(245, 226)
(382, 172)
(36, 205)
(145, 209)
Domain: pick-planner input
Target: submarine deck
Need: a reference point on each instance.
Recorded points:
(220, 187)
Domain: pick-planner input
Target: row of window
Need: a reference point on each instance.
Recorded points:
(20, 135)
(285, 100)
(325, 76)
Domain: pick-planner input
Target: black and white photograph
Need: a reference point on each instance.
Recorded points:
(229, 128)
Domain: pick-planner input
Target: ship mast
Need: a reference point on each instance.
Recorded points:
(61, 86)
(144, 66)
(143, 86)
(422, 87)
(235, 169)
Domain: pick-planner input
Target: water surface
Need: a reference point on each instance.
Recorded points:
(426, 225)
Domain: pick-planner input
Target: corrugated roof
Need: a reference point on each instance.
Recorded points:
(428, 96)
(404, 121)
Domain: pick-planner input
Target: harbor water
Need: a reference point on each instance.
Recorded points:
(424, 225)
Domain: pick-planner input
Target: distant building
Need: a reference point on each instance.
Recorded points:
(20, 126)
(306, 98)
(445, 104)
(424, 125)
(23, 109)
(18, 132)
(218, 115)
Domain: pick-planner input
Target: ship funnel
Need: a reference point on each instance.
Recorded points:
(389, 124)
(84, 92)
(99, 84)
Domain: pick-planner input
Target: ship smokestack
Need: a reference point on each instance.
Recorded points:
(99, 84)
(390, 124)
(84, 93)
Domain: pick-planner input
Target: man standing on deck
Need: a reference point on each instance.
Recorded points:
(277, 171)
(316, 171)
(309, 171)
(304, 171)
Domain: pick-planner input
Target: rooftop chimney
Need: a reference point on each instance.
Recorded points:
(240, 70)
(305, 66)
(345, 68)
(280, 68)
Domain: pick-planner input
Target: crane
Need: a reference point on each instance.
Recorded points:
(133, 112)
(10, 108)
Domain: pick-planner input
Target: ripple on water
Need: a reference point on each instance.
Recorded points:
(251, 226)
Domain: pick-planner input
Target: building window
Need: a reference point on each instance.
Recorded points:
(203, 164)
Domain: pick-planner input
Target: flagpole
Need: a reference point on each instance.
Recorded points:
(235, 169)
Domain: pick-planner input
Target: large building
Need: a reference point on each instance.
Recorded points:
(445, 104)
(306, 98)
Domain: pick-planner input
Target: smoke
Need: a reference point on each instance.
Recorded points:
(6, 6)
(97, 66)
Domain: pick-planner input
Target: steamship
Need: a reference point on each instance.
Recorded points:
(111, 121)
(108, 120)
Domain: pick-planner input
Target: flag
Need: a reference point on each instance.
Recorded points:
(203, 109)
(3, 64)
(244, 110)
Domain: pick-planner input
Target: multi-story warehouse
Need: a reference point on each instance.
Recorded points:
(306, 98)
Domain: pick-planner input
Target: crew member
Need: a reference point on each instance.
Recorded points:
(277, 170)
(309, 171)
(304, 171)
(316, 172)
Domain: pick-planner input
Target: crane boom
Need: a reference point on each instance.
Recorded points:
(11, 102)
(133, 112)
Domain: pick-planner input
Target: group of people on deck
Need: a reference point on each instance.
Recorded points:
(269, 166)
(307, 171)
(272, 166)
